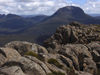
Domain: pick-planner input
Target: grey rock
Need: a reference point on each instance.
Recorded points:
(8, 54)
(84, 73)
(76, 53)
(13, 70)
(90, 66)
(73, 33)
(22, 47)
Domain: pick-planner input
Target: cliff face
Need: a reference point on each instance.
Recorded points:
(73, 50)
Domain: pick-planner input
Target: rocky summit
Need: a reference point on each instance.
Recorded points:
(73, 49)
(74, 33)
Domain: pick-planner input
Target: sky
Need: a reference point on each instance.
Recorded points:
(47, 7)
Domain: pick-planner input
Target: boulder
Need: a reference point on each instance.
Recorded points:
(83, 73)
(78, 53)
(44, 66)
(23, 47)
(89, 66)
(25, 66)
(31, 67)
(13, 70)
(8, 54)
(94, 48)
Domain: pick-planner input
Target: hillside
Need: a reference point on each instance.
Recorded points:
(12, 23)
(73, 49)
(42, 24)
(63, 16)
(40, 27)
(97, 17)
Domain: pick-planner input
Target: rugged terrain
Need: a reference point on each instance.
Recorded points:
(73, 49)
(62, 16)
(14, 24)
(39, 28)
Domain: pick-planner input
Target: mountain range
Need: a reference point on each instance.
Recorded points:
(12, 23)
(98, 17)
(94, 15)
(40, 27)
(63, 16)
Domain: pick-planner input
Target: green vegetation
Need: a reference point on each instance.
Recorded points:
(56, 73)
(30, 53)
(55, 62)
(98, 28)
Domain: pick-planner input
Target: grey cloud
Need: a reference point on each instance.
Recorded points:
(92, 6)
(42, 6)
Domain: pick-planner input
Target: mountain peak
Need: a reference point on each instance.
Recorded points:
(71, 7)
(12, 15)
(70, 10)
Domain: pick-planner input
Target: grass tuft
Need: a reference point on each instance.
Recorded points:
(30, 53)
(55, 62)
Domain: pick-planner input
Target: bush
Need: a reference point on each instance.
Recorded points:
(55, 62)
(30, 53)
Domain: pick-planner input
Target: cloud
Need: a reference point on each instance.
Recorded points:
(47, 7)
(30, 6)
(92, 6)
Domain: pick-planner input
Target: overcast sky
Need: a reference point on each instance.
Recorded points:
(47, 7)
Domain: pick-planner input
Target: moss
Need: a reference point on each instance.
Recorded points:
(55, 62)
(30, 53)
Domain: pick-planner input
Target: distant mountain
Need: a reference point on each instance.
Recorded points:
(12, 23)
(41, 27)
(38, 18)
(27, 16)
(30, 16)
(63, 16)
(2, 15)
(98, 17)
(94, 15)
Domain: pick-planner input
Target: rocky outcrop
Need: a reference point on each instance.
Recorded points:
(74, 33)
(68, 52)
(7, 54)
(23, 47)
(13, 70)
(69, 59)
